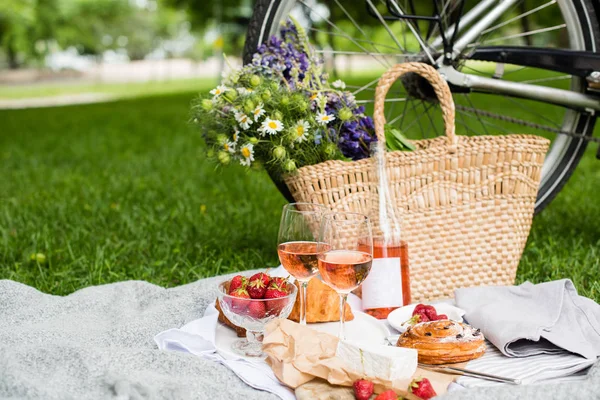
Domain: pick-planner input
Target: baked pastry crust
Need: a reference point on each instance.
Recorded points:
(444, 342)
(323, 304)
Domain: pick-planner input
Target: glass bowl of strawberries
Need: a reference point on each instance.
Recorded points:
(253, 302)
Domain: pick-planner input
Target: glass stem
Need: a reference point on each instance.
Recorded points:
(303, 290)
(342, 334)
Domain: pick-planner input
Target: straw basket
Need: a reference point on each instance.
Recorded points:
(466, 203)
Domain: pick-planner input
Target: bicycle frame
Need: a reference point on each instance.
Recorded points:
(577, 63)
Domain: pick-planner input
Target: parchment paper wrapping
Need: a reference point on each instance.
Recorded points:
(298, 354)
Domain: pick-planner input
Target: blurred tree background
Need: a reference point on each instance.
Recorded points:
(137, 29)
(31, 29)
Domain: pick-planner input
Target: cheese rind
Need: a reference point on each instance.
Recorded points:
(385, 362)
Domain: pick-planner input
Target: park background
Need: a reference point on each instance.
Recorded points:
(120, 188)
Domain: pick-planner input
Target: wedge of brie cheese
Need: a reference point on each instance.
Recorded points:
(385, 362)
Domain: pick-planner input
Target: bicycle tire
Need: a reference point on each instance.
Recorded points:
(265, 12)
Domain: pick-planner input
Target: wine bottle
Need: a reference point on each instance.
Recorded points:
(388, 285)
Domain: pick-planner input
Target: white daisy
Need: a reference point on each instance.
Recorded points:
(301, 131)
(271, 126)
(339, 84)
(229, 146)
(242, 91)
(258, 112)
(219, 90)
(247, 154)
(242, 119)
(323, 118)
(236, 136)
(317, 97)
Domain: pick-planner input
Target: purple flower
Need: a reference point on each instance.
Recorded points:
(355, 138)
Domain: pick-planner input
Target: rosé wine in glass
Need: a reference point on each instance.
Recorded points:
(345, 254)
(297, 245)
(299, 259)
(344, 270)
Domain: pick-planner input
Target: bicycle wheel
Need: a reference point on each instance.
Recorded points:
(358, 42)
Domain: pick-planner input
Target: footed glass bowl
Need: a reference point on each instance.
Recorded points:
(253, 315)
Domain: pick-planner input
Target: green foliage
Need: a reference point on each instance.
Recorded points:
(395, 140)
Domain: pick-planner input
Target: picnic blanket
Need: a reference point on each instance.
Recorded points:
(97, 343)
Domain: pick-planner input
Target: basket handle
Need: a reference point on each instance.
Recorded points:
(439, 85)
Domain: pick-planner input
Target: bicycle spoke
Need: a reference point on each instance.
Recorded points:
(358, 40)
(433, 128)
(518, 17)
(355, 24)
(473, 106)
(368, 85)
(461, 120)
(350, 53)
(412, 29)
(393, 121)
(385, 64)
(385, 25)
(386, 100)
(530, 33)
(484, 121)
(522, 105)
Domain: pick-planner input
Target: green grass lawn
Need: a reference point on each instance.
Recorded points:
(120, 90)
(117, 191)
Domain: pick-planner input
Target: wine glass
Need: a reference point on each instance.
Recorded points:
(345, 254)
(297, 245)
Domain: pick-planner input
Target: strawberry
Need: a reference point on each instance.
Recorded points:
(430, 312)
(237, 282)
(363, 389)
(387, 395)
(256, 309)
(278, 281)
(421, 387)
(419, 307)
(421, 316)
(257, 285)
(441, 316)
(239, 306)
(274, 292)
(425, 311)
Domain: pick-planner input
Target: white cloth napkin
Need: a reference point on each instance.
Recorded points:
(198, 338)
(526, 320)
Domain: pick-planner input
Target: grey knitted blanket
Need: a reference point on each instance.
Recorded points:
(97, 343)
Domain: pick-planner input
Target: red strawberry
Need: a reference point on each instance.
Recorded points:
(422, 388)
(422, 316)
(431, 313)
(420, 307)
(278, 281)
(274, 307)
(256, 309)
(363, 389)
(387, 395)
(237, 282)
(239, 306)
(257, 285)
(441, 316)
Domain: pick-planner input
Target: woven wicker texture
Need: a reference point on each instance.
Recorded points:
(466, 203)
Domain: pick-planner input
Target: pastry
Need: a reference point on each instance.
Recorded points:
(444, 342)
(323, 304)
(241, 332)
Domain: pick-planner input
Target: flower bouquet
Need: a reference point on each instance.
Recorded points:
(281, 112)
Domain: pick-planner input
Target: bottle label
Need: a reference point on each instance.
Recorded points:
(383, 286)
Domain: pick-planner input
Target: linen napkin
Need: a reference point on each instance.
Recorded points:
(528, 320)
(198, 338)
